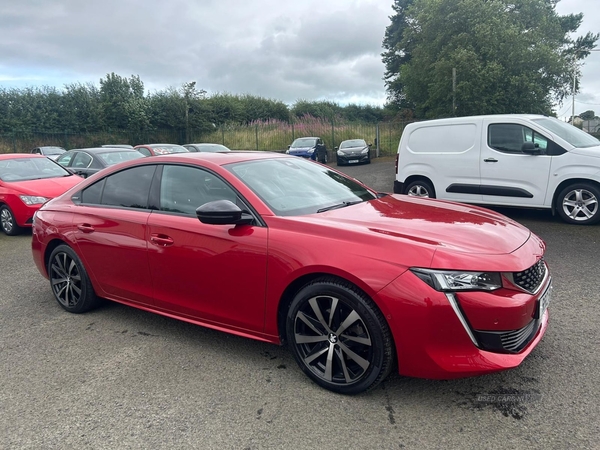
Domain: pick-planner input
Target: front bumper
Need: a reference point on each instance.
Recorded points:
(483, 332)
(353, 159)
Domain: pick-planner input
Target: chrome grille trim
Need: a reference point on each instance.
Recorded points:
(461, 318)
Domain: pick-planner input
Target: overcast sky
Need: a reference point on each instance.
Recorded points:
(278, 49)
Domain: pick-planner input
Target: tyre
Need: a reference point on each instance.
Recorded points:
(70, 282)
(8, 222)
(324, 159)
(579, 203)
(420, 188)
(338, 336)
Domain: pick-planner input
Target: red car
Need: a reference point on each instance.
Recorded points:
(27, 181)
(283, 249)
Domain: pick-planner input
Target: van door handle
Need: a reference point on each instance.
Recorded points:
(490, 160)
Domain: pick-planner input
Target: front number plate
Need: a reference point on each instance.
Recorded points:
(353, 161)
(543, 302)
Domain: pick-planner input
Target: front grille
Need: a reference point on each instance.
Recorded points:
(508, 341)
(531, 279)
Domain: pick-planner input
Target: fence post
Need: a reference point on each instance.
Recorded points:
(256, 135)
(377, 139)
(66, 145)
(223, 134)
(332, 136)
(293, 136)
(14, 142)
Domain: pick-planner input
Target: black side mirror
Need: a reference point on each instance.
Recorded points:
(530, 148)
(223, 212)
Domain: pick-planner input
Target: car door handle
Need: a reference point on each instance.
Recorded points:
(86, 228)
(490, 160)
(161, 239)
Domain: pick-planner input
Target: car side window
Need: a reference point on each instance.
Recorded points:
(64, 159)
(81, 160)
(128, 188)
(144, 151)
(509, 138)
(185, 188)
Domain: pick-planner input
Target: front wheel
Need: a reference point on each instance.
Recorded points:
(8, 223)
(70, 282)
(420, 188)
(578, 203)
(338, 336)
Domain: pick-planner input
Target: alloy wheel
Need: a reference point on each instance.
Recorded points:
(65, 279)
(418, 191)
(580, 205)
(333, 340)
(7, 220)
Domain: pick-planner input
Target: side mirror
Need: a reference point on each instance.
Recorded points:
(335, 148)
(530, 148)
(223, 212)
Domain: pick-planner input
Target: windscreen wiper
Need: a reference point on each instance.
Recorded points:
(339, 205)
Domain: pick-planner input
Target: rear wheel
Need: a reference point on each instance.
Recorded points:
(579, 203)
(70, 283)
(8, 222)
(420, 188)
(338, 336)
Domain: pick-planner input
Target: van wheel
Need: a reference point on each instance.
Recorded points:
(420, 188)
(578, 203)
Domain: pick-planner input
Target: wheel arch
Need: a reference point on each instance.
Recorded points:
(294, 287)
(413, 178)
(563, 184)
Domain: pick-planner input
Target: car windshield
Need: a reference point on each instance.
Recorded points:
(214, 148)
(52, 151)
(110, 158)
(24, 169)
(353, 143)
(165, 149)
(293, 187)
(304, 142)
(573, 135)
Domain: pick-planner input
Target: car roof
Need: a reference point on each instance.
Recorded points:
(95, 150)
(218, 159)
(20, 156)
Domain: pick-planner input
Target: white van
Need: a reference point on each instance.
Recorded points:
(503, 160)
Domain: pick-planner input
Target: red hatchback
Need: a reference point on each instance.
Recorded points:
(282, 249)
(27, 181)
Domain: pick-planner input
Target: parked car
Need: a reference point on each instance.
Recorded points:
(160, 149)
(87, 161)
(309, 147)
(353, 151)
(117, 146)
(504, 160)
(50, 151)
(283, 250)
(26, 182)
(205, 147)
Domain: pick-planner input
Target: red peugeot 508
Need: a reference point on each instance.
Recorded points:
(283, 249)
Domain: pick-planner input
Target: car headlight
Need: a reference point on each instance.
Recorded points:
(450, 280)
(365, 151)
(288, 151)
(33, 200)
(340, 153)
(311, 151)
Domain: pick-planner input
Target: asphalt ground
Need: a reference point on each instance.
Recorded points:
(120, 378)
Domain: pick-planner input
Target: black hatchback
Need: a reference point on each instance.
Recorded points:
(88, 161)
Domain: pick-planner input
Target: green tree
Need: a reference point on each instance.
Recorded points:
(587, 115)
(510, 56)
(116, 96)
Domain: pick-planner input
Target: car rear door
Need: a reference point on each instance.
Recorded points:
(110, 229)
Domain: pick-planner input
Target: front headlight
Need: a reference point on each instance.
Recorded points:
(288, 151)
(311, 151)
(365, 151)
(33, 200)
(340, 153)
(449, 280)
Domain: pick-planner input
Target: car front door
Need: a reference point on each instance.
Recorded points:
(510, 174)
(214, 273)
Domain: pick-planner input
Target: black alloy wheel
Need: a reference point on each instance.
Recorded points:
(339, 337)
(70, 283)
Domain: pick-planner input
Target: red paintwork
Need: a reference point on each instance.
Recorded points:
(235, 278)
(48, 187)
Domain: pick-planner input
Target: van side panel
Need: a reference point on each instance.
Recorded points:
(447, 153)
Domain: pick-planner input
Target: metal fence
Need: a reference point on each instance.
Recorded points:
(276, 136)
